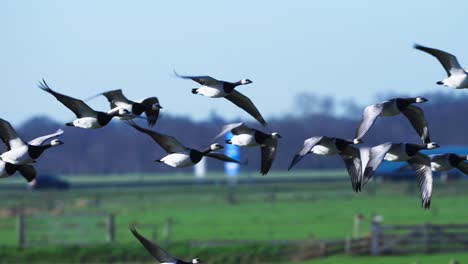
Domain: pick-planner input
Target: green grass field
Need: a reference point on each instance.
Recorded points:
(256, 212)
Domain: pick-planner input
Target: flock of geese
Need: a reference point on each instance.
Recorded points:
(361, 162)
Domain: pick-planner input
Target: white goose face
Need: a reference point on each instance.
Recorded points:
(275, 135)
(432, 145)
(196, 260)
(216, 146)
(421, 99)
(245, 81)
(56, 142)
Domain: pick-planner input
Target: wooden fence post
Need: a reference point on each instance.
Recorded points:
(375, 237)
(111, 228)
(323, 248)
(20, 229)
(348, 246)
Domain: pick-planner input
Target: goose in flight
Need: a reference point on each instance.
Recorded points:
(86, 116)
(448, 161)
(457, 76)
(250, 137)
(150, 106)
(352, 156)
(21, 153)
(180, 156)
(26, 170)
(157, 252)
(408, 152)
(215, 89)
(394, 107)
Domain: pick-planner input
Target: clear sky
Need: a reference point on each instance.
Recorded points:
(347, 49)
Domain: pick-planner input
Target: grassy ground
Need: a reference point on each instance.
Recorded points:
(257, 212)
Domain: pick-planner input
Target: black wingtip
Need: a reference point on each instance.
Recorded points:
(426, 204)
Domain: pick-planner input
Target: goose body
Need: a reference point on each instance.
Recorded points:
(352, 156)
(419, 162)
(457, 76)
(213, 88)
(21, 153)
(150, 106)
(394, 107)
(243, 136)
(86, 117)
(448, 161)
(179, 156)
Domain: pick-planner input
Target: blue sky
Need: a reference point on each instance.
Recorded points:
(346, 49)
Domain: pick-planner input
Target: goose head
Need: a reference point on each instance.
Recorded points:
(432, 145)
(55, 142)
(156, 106)
(196, 260)
(245, 81)
(420, 99)
(215, 146)
(275, 135)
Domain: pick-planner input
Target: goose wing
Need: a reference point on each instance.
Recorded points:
(236, 129)
(222, 157)
(416, 117)
(306, 148)
(369, 116)
(203, 80)
(352, 159)
(463, 167)
(448, 61)
(158, 253)
(245, 103)
(115, 97)
(376, 156)
(38, 141)
(168, 143)
(78, 107)
(421, 164)
(268, 154)
(151, 115)
(9, 136)
(28, 172)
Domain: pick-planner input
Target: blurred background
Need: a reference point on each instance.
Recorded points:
(314, 65)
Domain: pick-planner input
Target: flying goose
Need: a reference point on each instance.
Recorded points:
(408, 152)
(249, 137)
(150, 106)
(457, 76)
(322, 145)
(20, 153)
(448, 161)
(215, 89)
(86, 116)
(180, 156)
(157, 252)
(394, 107)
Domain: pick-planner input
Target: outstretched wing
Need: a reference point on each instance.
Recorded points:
(115, 97)
(158, 253)
(38, 141)
(308, 145)
(376, 156)
(203, 80)
(416, 117)
(352, 159)
(421, 164)
(78, 107)
(28, 172)
(268, 154)
(9, 136)
(369, 116)
(236, 129)
(448, 61)
(245, 103)
(168, 143)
